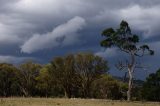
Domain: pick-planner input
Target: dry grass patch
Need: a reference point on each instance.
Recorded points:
(69, 102)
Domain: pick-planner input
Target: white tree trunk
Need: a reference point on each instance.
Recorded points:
(131, 68)
(129, 85)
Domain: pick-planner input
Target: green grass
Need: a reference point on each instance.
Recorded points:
(69, 102)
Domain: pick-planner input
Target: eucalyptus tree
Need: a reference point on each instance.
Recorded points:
(123, 39)
(29, 71)
(75, 73)
(106, 87)
(64, 73)
(44, 81)
(89, 67)
(9, 80)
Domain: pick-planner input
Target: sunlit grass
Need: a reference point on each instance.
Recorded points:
(69, 102)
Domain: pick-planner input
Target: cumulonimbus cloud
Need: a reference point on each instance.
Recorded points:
(63, 34)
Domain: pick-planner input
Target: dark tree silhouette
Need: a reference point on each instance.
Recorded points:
(151, 88)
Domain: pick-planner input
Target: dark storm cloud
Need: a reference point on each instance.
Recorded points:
(28, 17)
(29, 25)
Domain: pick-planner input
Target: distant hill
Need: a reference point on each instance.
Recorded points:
(136, 82)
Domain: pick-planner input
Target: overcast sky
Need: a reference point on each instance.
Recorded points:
(42, 29)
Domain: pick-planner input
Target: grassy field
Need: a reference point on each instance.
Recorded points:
(68, 102)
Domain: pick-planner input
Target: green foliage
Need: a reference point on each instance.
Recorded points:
(151, 88)
(69, 76)
(124, 40)
(64, 72)
(47, 84)
(9, 80)
(75, 73)
(89, 67)
(107, 87)
(80, 75)
(28, 73)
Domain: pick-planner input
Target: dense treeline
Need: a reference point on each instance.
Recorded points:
(81, 75)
